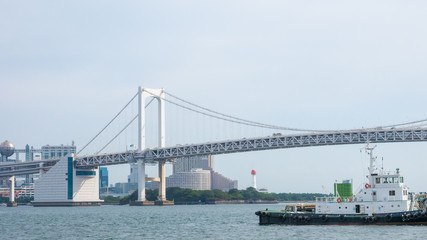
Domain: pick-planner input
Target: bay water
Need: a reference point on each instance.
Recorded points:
(175, 222)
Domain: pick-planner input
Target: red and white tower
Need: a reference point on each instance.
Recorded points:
(253, 173)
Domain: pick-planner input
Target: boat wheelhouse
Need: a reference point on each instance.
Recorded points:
(383, 199)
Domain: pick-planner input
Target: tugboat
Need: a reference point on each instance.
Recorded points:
(383, 200)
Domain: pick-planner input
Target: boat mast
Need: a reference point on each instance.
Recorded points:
(372, 167)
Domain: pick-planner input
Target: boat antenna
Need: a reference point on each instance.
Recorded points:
(372, 159)
(382, 164)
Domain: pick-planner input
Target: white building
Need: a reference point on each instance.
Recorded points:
(206, 163)
(64, 185)
(186, 164)
(195, 179)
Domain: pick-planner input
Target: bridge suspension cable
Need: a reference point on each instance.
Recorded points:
(106, 145)
(230, 118)
(225, 117)
(236, 119)
(112, 120)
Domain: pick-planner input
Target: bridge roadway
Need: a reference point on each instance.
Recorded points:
(232, 146)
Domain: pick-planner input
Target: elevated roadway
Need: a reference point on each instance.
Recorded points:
(225, 147)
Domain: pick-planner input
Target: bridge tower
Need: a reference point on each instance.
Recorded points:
(143, 94)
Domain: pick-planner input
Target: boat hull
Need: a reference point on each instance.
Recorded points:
(399, 218)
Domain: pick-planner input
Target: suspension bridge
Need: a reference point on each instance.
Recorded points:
(72, 180)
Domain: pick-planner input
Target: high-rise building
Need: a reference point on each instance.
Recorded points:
(46, 152)
(133, 176)
(186, 164)
(190, 173)
(195, 179)
(49, 152)
(183, 170)
(222, 183)
(103, 177)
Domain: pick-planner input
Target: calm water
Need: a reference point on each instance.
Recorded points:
(175, 222)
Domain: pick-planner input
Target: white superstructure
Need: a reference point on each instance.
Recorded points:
(385, 192)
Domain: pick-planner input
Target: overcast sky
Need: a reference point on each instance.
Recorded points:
(67, 67)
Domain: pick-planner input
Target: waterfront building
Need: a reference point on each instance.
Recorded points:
(222, 183)
(46, 152)
(103, 177)
(20, 192)
(152, 185)
(184, 173)
(49, 152)
(195, 179)
(133, 176)
(186, 165)
(125, 188)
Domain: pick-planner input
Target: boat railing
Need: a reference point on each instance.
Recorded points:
(333, 199)
(326, 199)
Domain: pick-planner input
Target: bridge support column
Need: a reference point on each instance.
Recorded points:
(161, 200)
(141, 181)
(162, 183)
(41, 172)
(159, 94)
(12, 202)
(142, 200)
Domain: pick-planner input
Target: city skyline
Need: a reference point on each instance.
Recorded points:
(321, 66)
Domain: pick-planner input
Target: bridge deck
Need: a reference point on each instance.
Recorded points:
(241, 145)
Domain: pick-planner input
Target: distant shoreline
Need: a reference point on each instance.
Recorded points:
(213, 202)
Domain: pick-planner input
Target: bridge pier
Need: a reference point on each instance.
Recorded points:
(12, 202)
(142, 200)
(162, 183)
(159, 94)
(161, 200)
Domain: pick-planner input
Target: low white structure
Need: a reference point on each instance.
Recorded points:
(64, 185)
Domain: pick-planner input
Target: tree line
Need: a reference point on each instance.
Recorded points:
(17, 200)
(204, 196)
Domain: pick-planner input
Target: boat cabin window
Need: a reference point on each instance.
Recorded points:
(401, 179)
(290, 208)
(396, 180)
(378, 180)
(392, 193)
(384, 180)
(405, 192)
